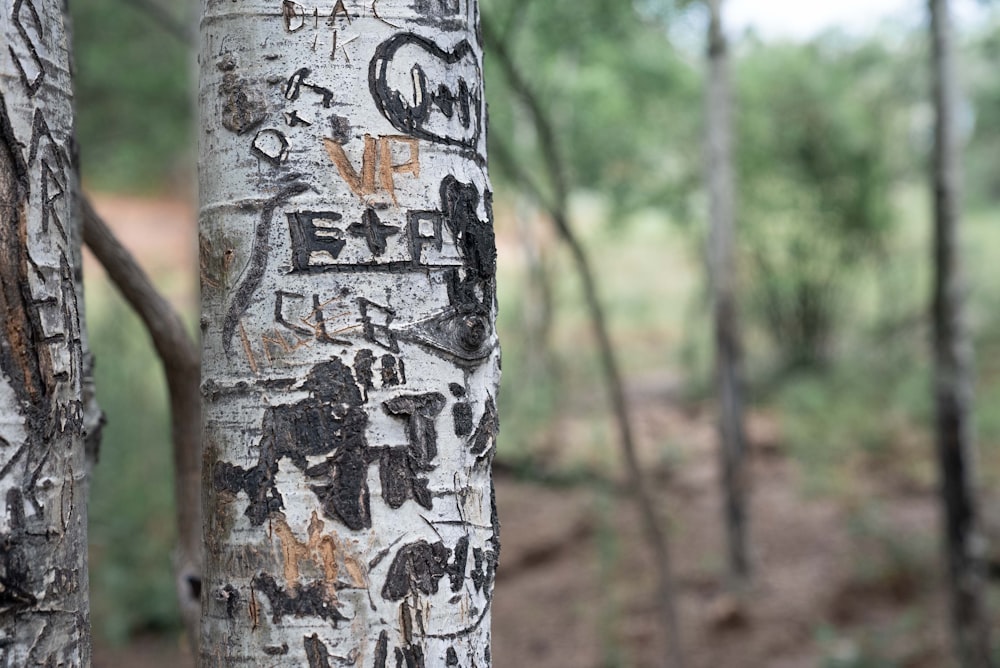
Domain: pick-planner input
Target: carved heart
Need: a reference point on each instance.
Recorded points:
(424, 90)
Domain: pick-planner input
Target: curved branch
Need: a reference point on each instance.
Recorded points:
(558, 211)
(182, 366)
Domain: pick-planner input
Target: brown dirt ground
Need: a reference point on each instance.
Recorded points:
(574, 587)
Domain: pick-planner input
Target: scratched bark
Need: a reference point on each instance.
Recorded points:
(43, 542)
(350, 357)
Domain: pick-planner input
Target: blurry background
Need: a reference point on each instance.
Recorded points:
(832, 141)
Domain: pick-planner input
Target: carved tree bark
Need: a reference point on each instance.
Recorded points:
(44, 617)
(953, 360)
(728, 348)
(350, 361)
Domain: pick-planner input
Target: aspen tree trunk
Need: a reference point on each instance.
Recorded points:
(44, 618)
(728, 349)
(953, 361)
(350, 358)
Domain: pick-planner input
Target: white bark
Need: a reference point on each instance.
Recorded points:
(350, 357)
(43, 543)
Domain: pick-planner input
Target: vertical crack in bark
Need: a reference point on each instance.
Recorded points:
(21, 360)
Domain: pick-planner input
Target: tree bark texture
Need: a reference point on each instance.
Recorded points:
(44, 616)
(953, 361)
(728, 349)
(350, 360)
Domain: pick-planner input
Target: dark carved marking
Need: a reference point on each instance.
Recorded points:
(339, 10)
(279, 312)
(416, 569)
(363, 362)
(464, 331)
(52, 189)
(486, 432)
(298, 81)
(314, 232)
(292, 12)
(381, 650)
(419, 236)
(258, 262)
(451, 657)
(413, 111)
(292, 119)
(376, 320)
(478, 574)
(316, 652)
(474, 237)
(274, 650)
(25, 359)
(410, 657)
(456, 570)
(340, 129)
(420, 412)
(399, 473)
(330, 422)
(462, 414)
(232, 601)
(39, 131)
(30, 85)
(312, 600)
(393, 371)
(322, 335)
(373, 231)
(437, 7)
(15, 573)
(271, 146)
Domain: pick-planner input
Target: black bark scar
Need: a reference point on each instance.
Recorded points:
(312, 600)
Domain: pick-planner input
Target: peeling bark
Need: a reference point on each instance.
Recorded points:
(44, 617)
(350, 360)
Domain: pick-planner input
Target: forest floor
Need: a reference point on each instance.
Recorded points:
(838, 583)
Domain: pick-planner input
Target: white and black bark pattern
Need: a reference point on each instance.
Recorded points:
(350, 357)
(43, 542)
(953, 363)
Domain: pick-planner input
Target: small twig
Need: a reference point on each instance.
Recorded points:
(182, 366)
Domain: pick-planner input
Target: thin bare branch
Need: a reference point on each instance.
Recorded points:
(182, 366)
(558, 210)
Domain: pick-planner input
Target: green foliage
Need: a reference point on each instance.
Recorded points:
(842, 652)
(132, 526)
(887, 558)
(818, 126)
(839, 419)
(983, 91)
(618, 95)
(134, 108)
